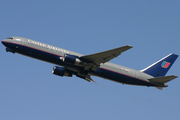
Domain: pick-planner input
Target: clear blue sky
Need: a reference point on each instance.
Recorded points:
(28, 89)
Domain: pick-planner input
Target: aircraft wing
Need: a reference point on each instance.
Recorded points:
(96, 59)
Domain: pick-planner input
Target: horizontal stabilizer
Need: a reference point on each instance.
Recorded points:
(163, 79)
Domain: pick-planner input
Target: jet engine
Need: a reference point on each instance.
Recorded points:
(61, 71)
(71, 59)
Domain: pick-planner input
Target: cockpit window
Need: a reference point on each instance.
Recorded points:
(10, 38)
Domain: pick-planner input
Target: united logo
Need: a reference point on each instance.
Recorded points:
(165, 64)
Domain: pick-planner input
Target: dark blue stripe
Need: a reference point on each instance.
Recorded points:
(54, 58)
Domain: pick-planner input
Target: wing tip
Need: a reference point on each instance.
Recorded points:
(130, 46)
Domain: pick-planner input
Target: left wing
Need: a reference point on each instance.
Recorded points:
(94, 60)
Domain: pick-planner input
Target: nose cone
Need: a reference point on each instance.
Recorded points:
(4, 42)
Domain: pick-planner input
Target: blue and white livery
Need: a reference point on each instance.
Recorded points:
(84, 66)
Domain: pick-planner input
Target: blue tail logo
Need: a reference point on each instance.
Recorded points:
(165, 64)
(161, 67)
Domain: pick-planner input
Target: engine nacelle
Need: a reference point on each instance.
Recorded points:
(61, 71)
(71, 59)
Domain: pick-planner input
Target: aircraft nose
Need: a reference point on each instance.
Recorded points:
(3, 42)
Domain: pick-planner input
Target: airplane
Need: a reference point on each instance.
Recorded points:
(84, 66)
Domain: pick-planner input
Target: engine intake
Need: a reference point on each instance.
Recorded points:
(61, 71)
(71, 59)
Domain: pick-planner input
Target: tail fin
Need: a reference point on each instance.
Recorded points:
(161, 67)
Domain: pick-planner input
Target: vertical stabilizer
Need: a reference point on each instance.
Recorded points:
(161, 67)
